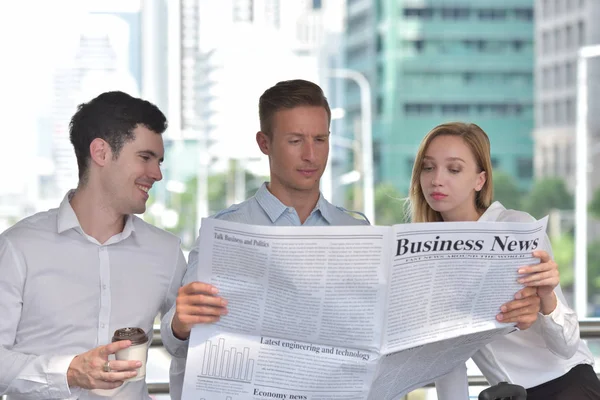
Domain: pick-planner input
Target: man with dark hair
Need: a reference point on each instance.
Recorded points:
(294, 122)
(72, 276)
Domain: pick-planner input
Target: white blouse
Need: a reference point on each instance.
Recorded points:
(547, 350)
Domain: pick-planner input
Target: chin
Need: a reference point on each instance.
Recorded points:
(439, 207)
(138, 210)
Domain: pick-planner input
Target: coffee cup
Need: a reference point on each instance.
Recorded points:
(138, 350)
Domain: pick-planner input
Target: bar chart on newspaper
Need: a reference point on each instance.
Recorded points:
(227, 364)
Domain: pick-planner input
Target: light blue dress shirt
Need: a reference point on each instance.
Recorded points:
(261, 209)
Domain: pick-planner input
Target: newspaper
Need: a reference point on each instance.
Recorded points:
(351, 312)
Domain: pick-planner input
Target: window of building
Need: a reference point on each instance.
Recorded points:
(525, 167)
(546, 42)
(455, 108)
(558, 77)
(524, 14)
(556, 159)
(356, 53)
(558, 39)
(570, 111)
(547, 115)
(569, 157)
(455, 13)
(546, 78)
(420, 13)
(559, 112)
(316, 4)
(558, 7)
(580, 33)
(570, 40)
(358, 23)
(570, 76)
(379, 106)
(518, 44)
(492, 14)
(419, 45)
(418, 109)
(546, 8)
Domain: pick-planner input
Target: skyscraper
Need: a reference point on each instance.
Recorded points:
(561, 29)
(430, 62)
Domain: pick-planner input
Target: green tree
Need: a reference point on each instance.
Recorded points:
(185, 203)
(594, 206)
(390, 205)
(563, 247)
(546, 194)
(593, 266)
(506, 190)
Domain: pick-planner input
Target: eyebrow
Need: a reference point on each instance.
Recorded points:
(447, 159)
(304, 134)
(152, 154)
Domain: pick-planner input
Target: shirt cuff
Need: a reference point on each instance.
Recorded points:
(557, 316)
(175, 346)
(58, 385)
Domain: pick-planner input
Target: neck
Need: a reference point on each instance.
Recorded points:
(95, 215)
(303, 201)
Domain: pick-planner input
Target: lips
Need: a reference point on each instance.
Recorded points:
(144, 189)
(438, 196)
(308, 172)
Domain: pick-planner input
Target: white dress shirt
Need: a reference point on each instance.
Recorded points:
(545, 351)
(63, 293)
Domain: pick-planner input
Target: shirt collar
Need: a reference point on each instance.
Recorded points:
(492, 212)
(67, 219)
(274, 207)
(324, 207)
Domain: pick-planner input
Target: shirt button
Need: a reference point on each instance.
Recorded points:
(104, 287)
(102, 325)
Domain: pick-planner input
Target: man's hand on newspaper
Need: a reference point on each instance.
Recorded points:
(545, 277)
(523, 310)
(197, 303)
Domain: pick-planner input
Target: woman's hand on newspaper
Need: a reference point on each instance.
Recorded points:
(543, 276)
(197, 303)
(523, 310)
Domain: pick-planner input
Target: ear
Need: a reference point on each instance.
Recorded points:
(100, 152)
(263, 142)
(481, 179)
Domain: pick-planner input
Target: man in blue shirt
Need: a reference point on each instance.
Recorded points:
(294, 133)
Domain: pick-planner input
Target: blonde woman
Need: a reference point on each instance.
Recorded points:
(452, 181)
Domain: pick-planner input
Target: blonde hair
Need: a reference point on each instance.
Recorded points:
(477, 140)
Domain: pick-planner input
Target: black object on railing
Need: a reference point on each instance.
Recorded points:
(504, 391)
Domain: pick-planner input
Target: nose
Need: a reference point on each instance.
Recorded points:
(308, 151)
(155, 172)
(436, 178)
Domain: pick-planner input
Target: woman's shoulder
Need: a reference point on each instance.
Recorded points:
(502, 214)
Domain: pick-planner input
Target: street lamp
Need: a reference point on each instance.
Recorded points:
(366, 135)
(581, 172)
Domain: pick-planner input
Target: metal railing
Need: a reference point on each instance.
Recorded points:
(590, 329)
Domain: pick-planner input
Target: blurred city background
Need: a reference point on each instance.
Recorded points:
(526, 71)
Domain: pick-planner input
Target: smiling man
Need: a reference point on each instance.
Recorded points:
(294, 133)
(71, 276)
